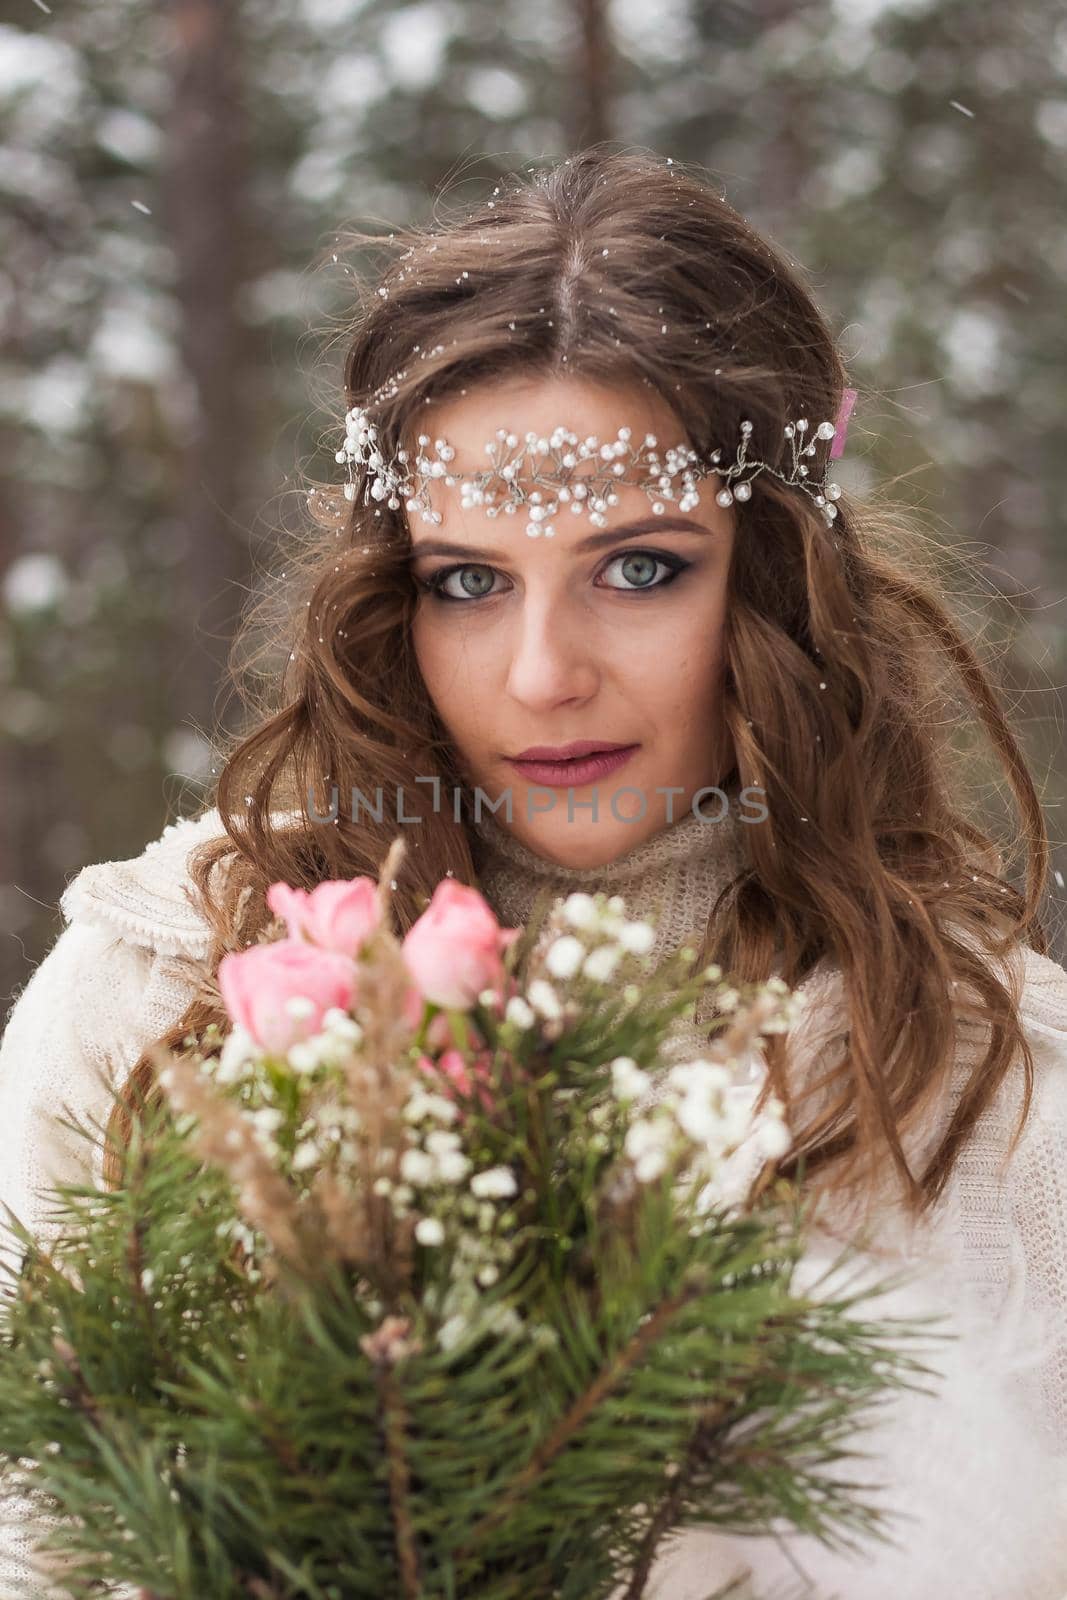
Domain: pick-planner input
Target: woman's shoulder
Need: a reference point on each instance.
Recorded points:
(147, 899)
(1039, 980)
(1043, 994)
(118, 976)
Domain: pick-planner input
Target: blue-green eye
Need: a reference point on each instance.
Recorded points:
(475, 590)
(639, 569)
(642, 565)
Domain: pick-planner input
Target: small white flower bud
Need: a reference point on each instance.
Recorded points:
(519, 1013)
(300, 1007)
(565, 956)
(600, 964)
(543, 998)
(637, 937)
(305, 1155)
(417, 1167)
(580, 911)
(628, 1081)
(495, 1183)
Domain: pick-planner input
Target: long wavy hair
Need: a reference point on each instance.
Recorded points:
(846, 676)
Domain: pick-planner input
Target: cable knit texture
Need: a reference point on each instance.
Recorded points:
(971, 1475)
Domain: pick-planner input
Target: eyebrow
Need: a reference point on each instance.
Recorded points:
(595, 541)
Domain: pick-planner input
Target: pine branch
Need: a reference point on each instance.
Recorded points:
(608, 1379)
(135, 1258)
(713, 1421)
(78, 1393)
(394, 1422)
(710, 1425)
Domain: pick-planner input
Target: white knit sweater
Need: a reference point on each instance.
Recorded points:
(972, 1477)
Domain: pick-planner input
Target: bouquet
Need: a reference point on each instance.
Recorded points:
(428, 1278)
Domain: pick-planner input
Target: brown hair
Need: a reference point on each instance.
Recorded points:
(842, 665)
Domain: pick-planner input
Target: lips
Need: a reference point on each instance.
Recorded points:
(569, 752)
(574, 771)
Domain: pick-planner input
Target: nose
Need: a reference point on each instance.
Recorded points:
(553, 659)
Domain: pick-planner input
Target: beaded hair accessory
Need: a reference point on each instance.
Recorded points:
(548, 463)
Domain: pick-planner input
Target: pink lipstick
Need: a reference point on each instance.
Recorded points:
(570, 766)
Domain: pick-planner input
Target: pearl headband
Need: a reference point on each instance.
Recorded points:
(549, 463)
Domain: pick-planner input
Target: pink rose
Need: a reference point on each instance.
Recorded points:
(257, 982)
(413, 1007)
(454, 950)
(336, 915)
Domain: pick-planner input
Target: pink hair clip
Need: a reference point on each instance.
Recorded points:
(848, 400)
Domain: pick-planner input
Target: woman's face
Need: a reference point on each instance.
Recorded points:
(609, 635)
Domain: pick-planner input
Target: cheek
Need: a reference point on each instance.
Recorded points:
(694, 668)
(435, 661)
(450, 670)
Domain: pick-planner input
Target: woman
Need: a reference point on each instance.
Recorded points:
(775, 688)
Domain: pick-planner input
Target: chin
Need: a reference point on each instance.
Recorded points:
(584, 844)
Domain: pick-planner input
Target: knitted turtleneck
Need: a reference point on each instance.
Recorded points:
(673, 877)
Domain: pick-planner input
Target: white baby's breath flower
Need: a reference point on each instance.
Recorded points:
(495, 1183)
(712, 973)
(699, 1076)
(452, 1166)
(420, 1104)
(600, 964)
(451, 1332)
(336, 1117)
(438, 1140)
(268, 1118)
(628, 1081)
(305, 1155)
(417, 1167)
(504, 1319)
(580, 911)
(737, 1111)
(565, 956)
(647, 1144)
(339, 1025)
(706, 1122)
(544, 999)
(300, 1007)
(430, 1230)
(787, 1013)
(306, 1055)
(772, 1137)
(488, 1275)
(727, 999)
(239, 1051)
(637, 937)
(519, 1013)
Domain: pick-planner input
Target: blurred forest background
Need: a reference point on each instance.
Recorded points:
(172, 176)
